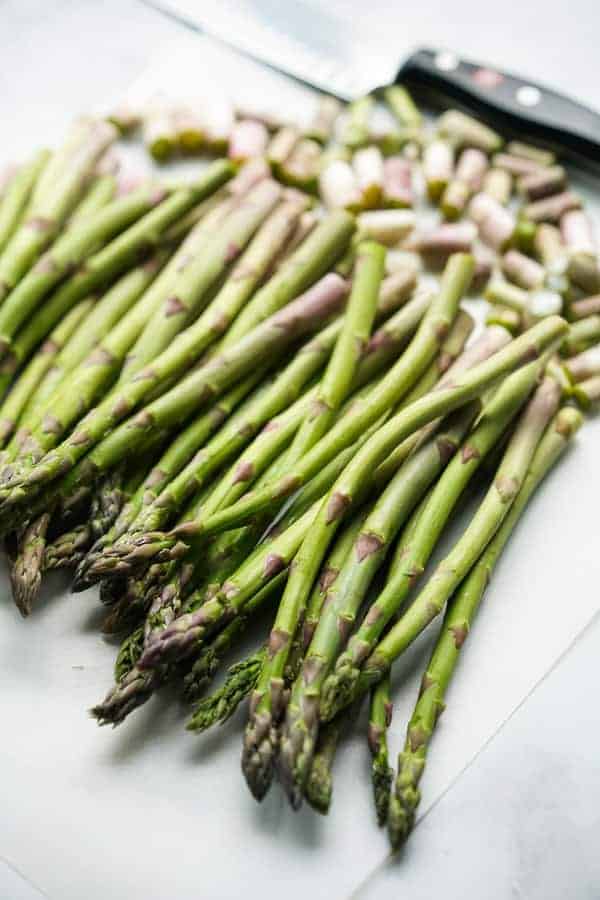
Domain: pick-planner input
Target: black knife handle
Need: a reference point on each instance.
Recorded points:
(515, 106)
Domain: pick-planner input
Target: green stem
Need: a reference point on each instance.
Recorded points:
(456, 626)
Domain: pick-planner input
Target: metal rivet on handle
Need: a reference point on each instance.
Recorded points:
(528, 95)
(446, 61)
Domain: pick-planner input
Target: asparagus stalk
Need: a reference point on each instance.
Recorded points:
(180, 402)
(194, 281)
(221, 705)
(315, 256)
(103, 316)
(456, 626)
(101, 192)
(416, 546)
(113, 259)
(485, 523)
(14, 199)
(328, 576)
(319, 784)
(397, 383)
(25, 570)
(174, 459)
(197, 276)
(384, 346)
(355, 333)
(37, 370)
(346, 596)
(56, 192)
(259, 743)
(380, 717)
(68, 251)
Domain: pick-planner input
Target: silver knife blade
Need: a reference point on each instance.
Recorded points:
(299, 39)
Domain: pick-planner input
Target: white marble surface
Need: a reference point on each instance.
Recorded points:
(149, 811)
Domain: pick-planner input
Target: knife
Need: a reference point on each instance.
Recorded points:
(320, 50)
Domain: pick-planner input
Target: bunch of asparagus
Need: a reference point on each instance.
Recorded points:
(220, 401)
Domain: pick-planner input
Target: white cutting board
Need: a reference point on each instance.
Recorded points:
(150, 811)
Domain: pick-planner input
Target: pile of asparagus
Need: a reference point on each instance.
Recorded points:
(231, 408)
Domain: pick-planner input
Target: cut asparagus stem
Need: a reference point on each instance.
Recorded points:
(320, 128)
(403, 106)
(355, 131)
(438, 165)
(455, 629)
(581, 309)
(465, 131)
(582, 335)
(584, 365)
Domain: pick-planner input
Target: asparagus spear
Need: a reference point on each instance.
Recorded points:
(25, 570)
(485, 523)
(380, 717)
(34, 374)
(315, 256)
(162, 327)
(180, 402)
(257, 571)
(56, 192)
(346, 596)
(356, 330)
(397, 382)
(197, 276)
(176, 456)
(259, 737)
(113, 259)
(416, 546)
(240, 678)
(68, 251)
(459, 616)
(14, 199)
(104, 314)
(100, 192)
(385, 344)
(319, 784)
